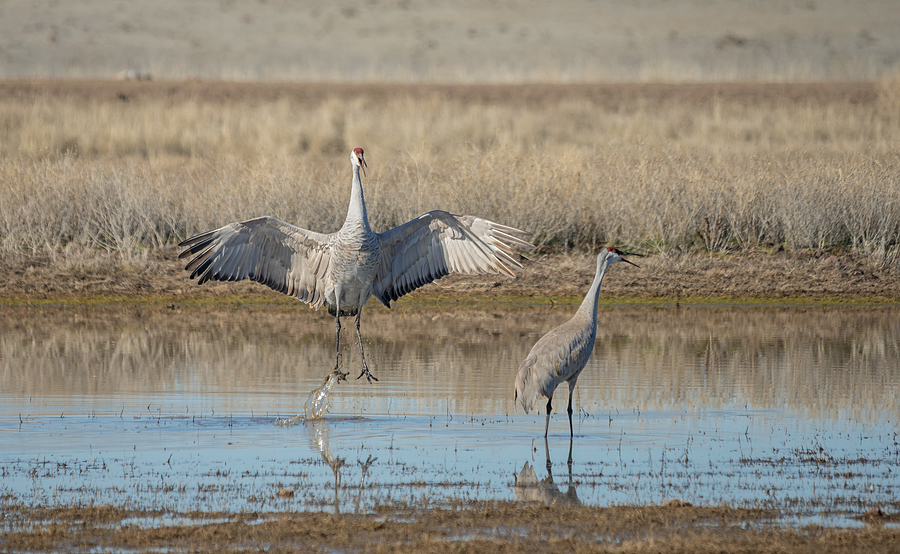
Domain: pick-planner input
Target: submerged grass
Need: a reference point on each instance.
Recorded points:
(680, 168)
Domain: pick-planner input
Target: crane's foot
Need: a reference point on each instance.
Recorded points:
(338, 374)
(365, 371)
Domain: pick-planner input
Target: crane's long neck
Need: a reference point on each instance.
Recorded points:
(588, 306)
(356, 212)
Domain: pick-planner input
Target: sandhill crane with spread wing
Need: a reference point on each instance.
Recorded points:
(342, 270)
(561, 354)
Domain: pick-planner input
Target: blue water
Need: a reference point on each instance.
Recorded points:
(778, 408)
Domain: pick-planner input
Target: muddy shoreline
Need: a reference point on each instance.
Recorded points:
(504, 526)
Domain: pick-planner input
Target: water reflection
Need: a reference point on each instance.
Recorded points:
(175, 410)
(529, 489)
(318, 430)
(815, 362)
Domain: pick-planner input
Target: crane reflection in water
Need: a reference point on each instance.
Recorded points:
(545, 491)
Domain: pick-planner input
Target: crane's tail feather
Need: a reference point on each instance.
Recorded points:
(526, 388)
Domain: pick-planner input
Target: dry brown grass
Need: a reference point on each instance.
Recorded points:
(129, 168)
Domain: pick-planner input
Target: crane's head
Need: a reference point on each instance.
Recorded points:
(357, 159)
(614, 255)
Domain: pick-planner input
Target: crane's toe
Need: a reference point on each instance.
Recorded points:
(365, 371)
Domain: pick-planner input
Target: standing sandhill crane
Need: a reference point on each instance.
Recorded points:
(342, 270)
(561, 354)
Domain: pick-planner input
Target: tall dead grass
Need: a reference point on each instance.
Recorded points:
(129, 177)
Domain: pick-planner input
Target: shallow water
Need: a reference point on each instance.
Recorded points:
(188, 409)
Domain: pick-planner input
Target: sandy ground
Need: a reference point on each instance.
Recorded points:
(464, 41)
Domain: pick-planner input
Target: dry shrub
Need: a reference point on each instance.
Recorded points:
(674, 173)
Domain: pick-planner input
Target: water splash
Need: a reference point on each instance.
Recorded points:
(316, 405)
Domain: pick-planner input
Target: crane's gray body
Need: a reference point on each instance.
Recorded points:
(560, 355)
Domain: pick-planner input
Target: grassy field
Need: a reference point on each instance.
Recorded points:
(130, 168)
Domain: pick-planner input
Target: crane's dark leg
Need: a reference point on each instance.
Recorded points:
(337, 340)
(549, 408)
(365, 369)
(569, 410)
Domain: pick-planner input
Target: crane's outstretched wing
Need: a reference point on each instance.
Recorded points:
(267, 250)
(438, 243)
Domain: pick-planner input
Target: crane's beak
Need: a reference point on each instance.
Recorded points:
(623, 254)
(363, 164)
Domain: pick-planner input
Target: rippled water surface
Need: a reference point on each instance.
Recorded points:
(186, 408)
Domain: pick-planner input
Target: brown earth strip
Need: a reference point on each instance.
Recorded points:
(776, 276)
(497, 526)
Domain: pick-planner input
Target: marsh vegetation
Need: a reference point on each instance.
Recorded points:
(130, 168)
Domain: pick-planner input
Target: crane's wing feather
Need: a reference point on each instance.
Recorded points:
(438, 243)
(267, 250)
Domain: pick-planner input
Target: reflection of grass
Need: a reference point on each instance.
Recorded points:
(773, 356)
(675, 170)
